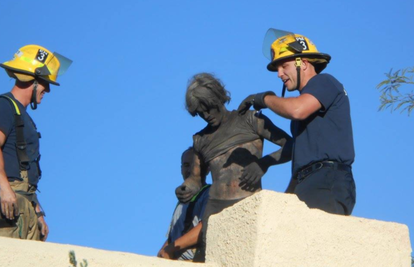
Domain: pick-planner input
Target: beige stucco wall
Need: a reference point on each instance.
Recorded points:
(267, 229)
(275, 229)
(23, 253)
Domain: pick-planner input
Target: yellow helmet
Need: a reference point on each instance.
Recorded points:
(285, 45)
(32, 61)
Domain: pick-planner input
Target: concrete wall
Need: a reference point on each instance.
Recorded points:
(24, 253)
(274, 229)
(267, 229)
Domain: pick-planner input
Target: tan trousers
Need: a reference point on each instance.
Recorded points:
(25, 225)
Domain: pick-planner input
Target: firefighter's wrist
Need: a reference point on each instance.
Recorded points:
(40, 214)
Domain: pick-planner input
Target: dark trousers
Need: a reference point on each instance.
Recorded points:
(328, 189)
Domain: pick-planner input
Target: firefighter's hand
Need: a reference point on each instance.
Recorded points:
(256, 100)
(44, 229)
(246, 104)
(9, 206)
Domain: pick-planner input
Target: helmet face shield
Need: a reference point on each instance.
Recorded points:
(271, 36)
(64, 63)
(56, 66)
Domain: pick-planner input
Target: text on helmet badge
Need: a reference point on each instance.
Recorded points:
(42, 55)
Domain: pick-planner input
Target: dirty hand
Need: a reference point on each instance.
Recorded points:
(44, 229)
(184, 193)
(166, 253)
(256, 100)
(9, 206)
(251, 175)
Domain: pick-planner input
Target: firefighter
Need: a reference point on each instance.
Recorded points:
(323, 149)
(34, 68)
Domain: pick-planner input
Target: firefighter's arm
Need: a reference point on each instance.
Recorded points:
(9, 206)
(44, 228)
(293, 108)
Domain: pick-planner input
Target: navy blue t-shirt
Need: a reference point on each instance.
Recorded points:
(326, 134)
(31, 135)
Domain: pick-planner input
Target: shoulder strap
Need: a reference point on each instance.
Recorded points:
(196, 196)
(20, 141)
(188, 222)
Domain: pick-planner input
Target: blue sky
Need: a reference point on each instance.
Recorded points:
(114, 131)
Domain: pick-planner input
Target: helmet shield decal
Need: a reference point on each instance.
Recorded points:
(271, 36)
(300, 45)
(64, 63)
(41, 55)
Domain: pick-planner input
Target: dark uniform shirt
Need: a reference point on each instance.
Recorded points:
(31, 136)
(326, 134)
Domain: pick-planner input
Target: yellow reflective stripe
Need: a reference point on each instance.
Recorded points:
(15, 105)
(283, 49)
(32, 61)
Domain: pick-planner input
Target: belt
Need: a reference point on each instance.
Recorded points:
(307, 170)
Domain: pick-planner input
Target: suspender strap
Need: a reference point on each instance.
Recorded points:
(188, 222)
(20, 141)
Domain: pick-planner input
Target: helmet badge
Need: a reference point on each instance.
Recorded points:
(42, 55)
(303, 42)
